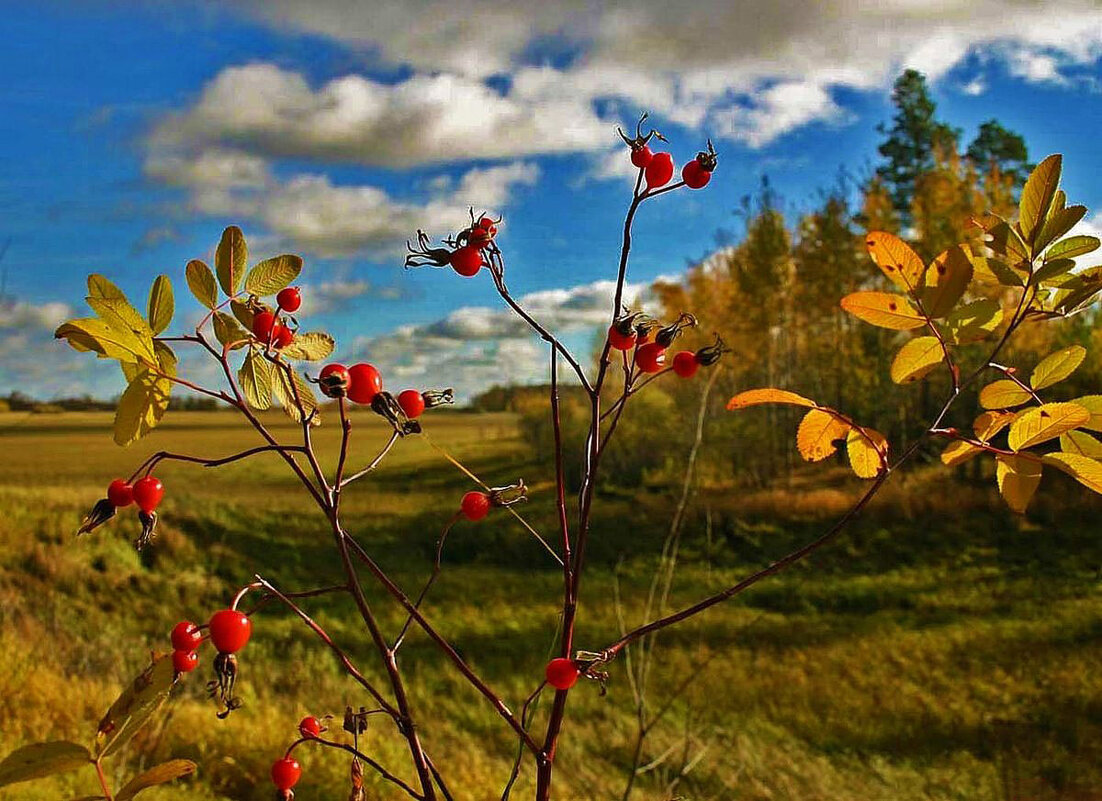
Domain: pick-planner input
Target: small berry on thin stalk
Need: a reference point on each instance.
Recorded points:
(562, 673)
(120, 493)
(309, 726)
(289, 299)
(685, 363)
(186, 636)
(148, 492)
(412, 403)
(334, 380)
(366, 383)
(263, 324)
(230, 630)
(467, 261)
(286, 773)
(660, 170)
(475, 505)
(184, 661)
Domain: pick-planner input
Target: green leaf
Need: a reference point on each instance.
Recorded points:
(1003, 394)
(228, 332)
(159, 774)
(974, 321)
(1037, 195)
(1073, 246)
(916, 358)
(243, 314)
(1081, 443)
(310, 346)
(42, 759)
(230, 260)
(883, 309)
(1058, 223)
(137, 704)
(1083, 469)
(256, 380)
(1006, 242)
(161, 304)
(1045, 422)
(755, 397)
(1018, 478)
(293, 392)
(1057, 366)
(1050, 270)
(272, 275)
(946, 280)
(200, 280)
(896, 260)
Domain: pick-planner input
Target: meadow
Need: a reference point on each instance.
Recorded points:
(943, 649)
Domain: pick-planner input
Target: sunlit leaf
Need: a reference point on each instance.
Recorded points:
(1081, 443)
(1003, 394)
(995, 271)
(271, 275)
(200, 280)
(1051, 270)
(948, 277)
(867, 452)
(127, 323)
(137, 704)
(1059, 222)
(959, 452)
(818, 433)
(896, 260)
(228, 332)
(255, 378)
(1006, 242)
(309, 346)
(1037, 195)
(42, 759)
(1073, 246)
(1057, 366)
(754, 397)
(293, 392)
(160, 774)
(92, 334)
(230, 260)
(1093, 405)
(883, 309)
(974, 321)
(1018, 477)
(1045, 422)
(145, 400)
(916, 358)
(1083, 469)
(989, 424)
(243, 314)
(161, 304)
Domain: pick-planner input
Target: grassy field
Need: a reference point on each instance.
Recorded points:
(942, 650)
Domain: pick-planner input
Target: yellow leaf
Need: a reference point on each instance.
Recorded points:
(896, 260)
(200, 280)
(1083, 469)
(294, 395)
(1081, 443)
(161, 304)
(974, 321)
(754, 397)
(946, 280)
(231, 259)
(816, 436)
(309, 346)
(227, 331)
(1057, 366)
(867, 452)
(92, 334)
(145, 400)
(989, 424)
(1003, 394)
(916, 358)
(136, 705)
(255, 377)
(1093, 404)
(42, 759)
(1045, 422)
(272, 275)
(959, 452)
(159, 774)
(1037, 195)
(883, 309)
(1018, 478)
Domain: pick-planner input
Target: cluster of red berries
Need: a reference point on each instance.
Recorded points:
(229, 632)
(467, 258)
(633, 332)
(145, 492)
(362, 383)
(658, 168)
(286, 771)
(270, 328)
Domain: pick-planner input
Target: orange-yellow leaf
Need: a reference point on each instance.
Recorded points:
(989, 424)
(884, 309)
(959, 452)
(1042, 423)
(1083, 469)
(1057, 366)
(1003, 394)
(896, 259)
(1093, 404)
(1018, 478)
(754, 397)
(916, 358)
(946, 280)
(817, 434)
(1081, 443)
(868, 452)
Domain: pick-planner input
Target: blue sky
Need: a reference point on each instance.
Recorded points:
(133, 132)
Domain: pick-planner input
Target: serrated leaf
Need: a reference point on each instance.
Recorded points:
(271, 275)
(1037, 195)
(1057, 366)
(145, 399)
(948, 277)
(127, 324)
(1018, 478)
(292, 392)
(162, 305)
(243, 314)
(974, 321)
(159, 774)
(231, 259)
(136, 705)
(989, 424)
(1045, 422)
(896, 259)
(1051, 270)
(309, 346)
(754, 397)
(37, 760)
(818, 433)
(884, 310)
(1081, 443)
(959, 452)
(1059, 222)
(1003, 394)
(1083, 469)
(228, 332)
(1073, 246)
(255, 378)
(200, 280)
(92, 334)
(916, 359)
(1093, 405)
(867, 454)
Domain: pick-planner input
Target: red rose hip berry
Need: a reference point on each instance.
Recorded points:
(289, 299)
(651, 357)
(685, 363)
(642, 156)
(619, 340)
(186, 636)
(282, 336)
(466, 261)
(309, 726)
(263, 324)
(120, 493)
(230, 630)
(147, 493)
(659, 171)
(334, 380)
(412, 403)
(286, 773)
(475, 505)
(184, 661)
(365, 383)
(695, 176)
(562, 673)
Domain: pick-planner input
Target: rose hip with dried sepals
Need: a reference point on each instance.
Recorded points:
(475, 505)
(365, 383)
(230, 630)
(698, 172)
(685, 363)
(466, 261)
(641, 154)
(120, 493)
(412, 403)
(334, 380)
(309, 726)
(562, 673)
(147, 493)
(650, 357)
(286, 773)
(186, 636)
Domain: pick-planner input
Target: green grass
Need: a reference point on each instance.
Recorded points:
(939, 648)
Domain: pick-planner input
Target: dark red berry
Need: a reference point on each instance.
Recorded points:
(365, 383)
(488, 225)
(230, 630)
(561, 673)
(184, 661)
(620, 340)
(694, 175)
(309, 726)
(685, 363)
(282, 336)
(651, 357)
(475, 505)
(147, 493)
(659, 171)
(286, 773)
(120, 493)
(642, 156)
(334, 381)
(467, 261)
(289, 299)
(186, 636)
(263, 323)
(412, 403)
